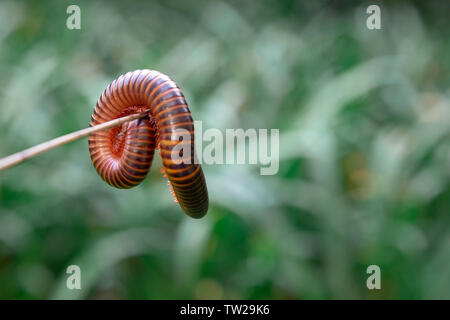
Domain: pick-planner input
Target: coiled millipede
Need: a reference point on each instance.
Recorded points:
(123, 155)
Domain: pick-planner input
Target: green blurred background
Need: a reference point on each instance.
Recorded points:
(364, 151)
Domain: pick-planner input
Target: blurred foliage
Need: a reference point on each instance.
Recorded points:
(364, 151)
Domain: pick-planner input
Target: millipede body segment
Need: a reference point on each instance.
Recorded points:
(123, 155)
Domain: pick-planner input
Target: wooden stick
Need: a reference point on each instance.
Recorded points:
(29, 153)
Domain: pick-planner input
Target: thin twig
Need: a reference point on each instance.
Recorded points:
(29, 153)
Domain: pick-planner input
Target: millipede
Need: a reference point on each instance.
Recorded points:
(123, 155)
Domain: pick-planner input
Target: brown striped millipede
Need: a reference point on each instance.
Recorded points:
(123, 155)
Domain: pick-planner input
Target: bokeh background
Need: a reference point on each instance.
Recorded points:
(364, 151)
